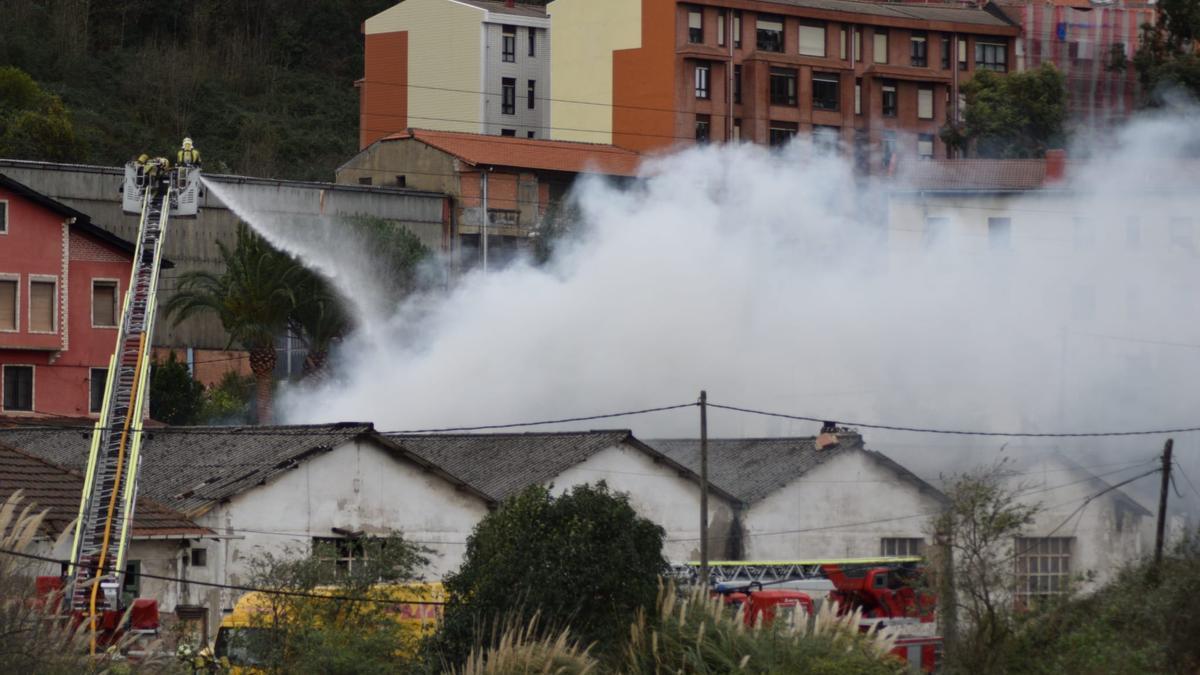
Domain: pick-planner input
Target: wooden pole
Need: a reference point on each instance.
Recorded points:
(1162, 502)
(704, 487)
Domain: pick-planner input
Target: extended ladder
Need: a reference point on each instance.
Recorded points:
(106, 509)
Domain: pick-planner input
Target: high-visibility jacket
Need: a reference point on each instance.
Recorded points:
(187, 157)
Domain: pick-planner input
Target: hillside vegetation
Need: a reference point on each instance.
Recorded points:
(265, 87)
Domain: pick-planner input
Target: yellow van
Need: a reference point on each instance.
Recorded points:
(247, 629)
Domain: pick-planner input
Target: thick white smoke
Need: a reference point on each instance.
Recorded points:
(774, 281)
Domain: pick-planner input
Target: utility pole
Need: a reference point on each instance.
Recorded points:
(704, 487)
(1162, 502)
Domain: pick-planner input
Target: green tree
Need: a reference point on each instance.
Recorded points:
(584, 559)
(175, 397)
(1011, 116)
(253, 296)
(298, 633)
(1167, 59)
(33, 123)
(320, 318)
(229, 401)
(401, 253)
(977, 528)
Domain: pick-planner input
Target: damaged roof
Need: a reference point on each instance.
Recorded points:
(501, 465)
(753, 468)
(57, 490)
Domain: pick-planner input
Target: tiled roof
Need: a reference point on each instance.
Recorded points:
(57, 490)
(752, 468)
(973, 174)
(948, 13)
(500, 465)
(528, 153)
(191, 468)
(497, 7)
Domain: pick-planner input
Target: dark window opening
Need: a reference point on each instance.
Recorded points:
(991, 56)
(826, 92)
(945, 53)
(401, 181)
(737, 84)
(532, 42)
(781, 133)
(695, 26)
(703, 128)
(531, 94)
(783, 86)
(737, 28)
(199, 557)
(508, 44)
(919, 51)
(364, 180)
(529, 134)
(508, 132)
(508, 96)
(888, 99)
(3, 217)
(770, 33)
(97, 379)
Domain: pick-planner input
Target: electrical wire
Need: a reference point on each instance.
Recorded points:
(233, 587)
(961, 432)
(1179, 466)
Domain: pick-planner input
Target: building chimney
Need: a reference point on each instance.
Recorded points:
(828, 437)
(1056, 166)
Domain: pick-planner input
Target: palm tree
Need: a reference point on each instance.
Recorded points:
(320, 319)
(254, 297)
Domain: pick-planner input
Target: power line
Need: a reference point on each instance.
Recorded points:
(960, 432)
(234, 587)
(1185, 477)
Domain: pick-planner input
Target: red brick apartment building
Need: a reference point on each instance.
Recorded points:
(61, 279)
(880, 78)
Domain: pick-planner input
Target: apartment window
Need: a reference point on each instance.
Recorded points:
(531, 94)
(1181, 233)
(737, 130)
(991, 56)
(530, 134)
(1000, 233)
(935, 229)
(902, 546)
(826, 139)
(858, 45)
(925, 146)
(43, 303)
(97, 379)
(511, 133)
(508, 96)
(825, 91)
(737, 84)
(695, 26)
(722, 17)
(737, 28)
(858, 97)
(889, 148)
(880, 46)
(532, 36)
(508, 44)
(887, 98)
(769, 34)
(104, 303)
(18, 388)
(1133, 232)
(703, 128)
(702, 74)
(945, 52)
(842, 44)
(1043, 566)
(925, 102)
(812, 40)
(781, 133)
(9, 304)
(962, 54)
(783, 86)
(3, 217)
(919, 49)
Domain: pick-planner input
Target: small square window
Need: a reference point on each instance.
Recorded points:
(364, 180)
(530, 134)
(199, 557)
(783, 86)
(826, 91)
(812, 40)
(18, 388)
(97, 380)
(769, 33)
(508, 132)
(401, 181)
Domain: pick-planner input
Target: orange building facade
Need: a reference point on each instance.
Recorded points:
(879, 80)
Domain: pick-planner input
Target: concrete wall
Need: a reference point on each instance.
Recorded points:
(524, 69)
(658, 493)
(444, 60)
(582, 42)
(192, 244)
(849, 489)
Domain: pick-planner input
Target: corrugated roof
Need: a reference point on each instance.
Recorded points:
(190, 468)
(752, 468)
(501, 465)
(941, 12)
(528, 153)
(517, 9)
(57, 490)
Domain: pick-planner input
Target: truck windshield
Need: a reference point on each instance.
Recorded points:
(244, 646)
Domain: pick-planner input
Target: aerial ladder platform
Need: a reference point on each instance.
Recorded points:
(105, 522)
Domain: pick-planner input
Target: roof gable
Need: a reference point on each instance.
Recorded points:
(80, 221)
(527, 153)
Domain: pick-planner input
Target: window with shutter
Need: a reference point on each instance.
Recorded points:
(880, 46)
(925, 103)
(104, 304)
(812, 40)
(41, 307)
(8, 304)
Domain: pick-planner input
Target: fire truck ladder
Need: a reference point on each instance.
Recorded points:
(106, 509)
